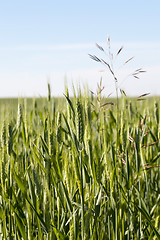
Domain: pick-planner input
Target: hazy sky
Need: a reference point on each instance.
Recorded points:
(50, 40)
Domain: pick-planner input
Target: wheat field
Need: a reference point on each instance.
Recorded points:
(80, 167)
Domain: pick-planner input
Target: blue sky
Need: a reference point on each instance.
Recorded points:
(44, 41)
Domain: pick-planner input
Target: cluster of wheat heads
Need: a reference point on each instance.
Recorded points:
(78, 172)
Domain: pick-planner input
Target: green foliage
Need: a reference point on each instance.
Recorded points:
(73, 168)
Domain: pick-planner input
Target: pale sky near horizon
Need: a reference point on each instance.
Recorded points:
(48, 40)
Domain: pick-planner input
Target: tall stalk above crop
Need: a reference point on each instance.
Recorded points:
(109, 64)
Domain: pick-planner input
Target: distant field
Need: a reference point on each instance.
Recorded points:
(80, 168)
(11, 104)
